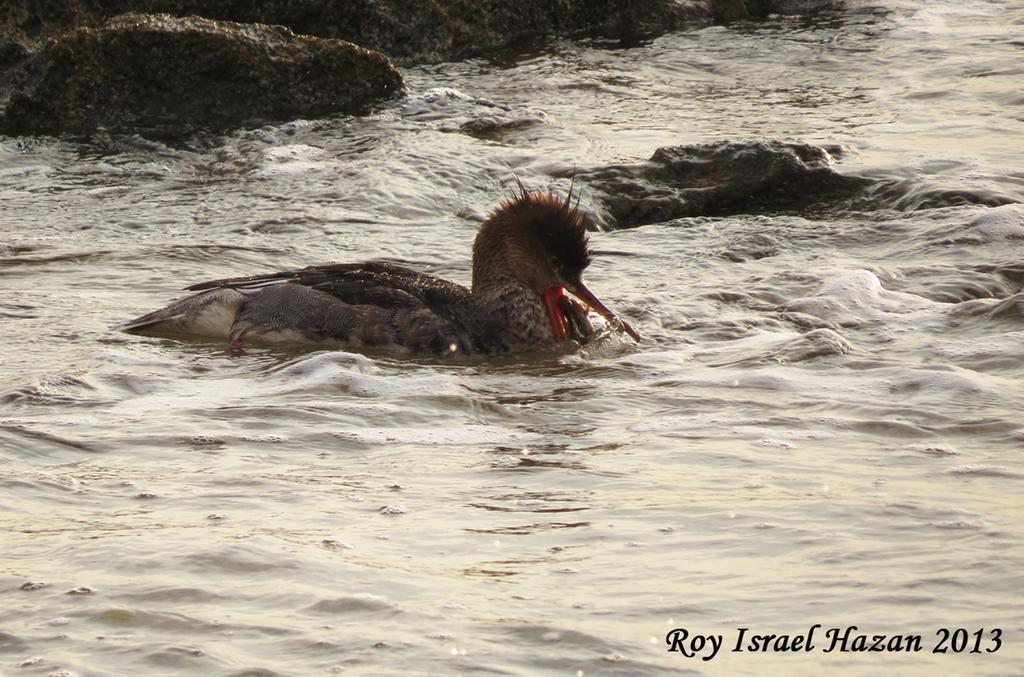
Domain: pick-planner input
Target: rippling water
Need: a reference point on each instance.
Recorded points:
(823, 424)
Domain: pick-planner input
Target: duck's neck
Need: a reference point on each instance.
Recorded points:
(502, 266)
(516, 311)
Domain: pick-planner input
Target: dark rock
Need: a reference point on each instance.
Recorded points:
(409, 30)
(166, 75)
(26, 24)
(493, 126)
(12, 52)
(722, 178)
(758, 9)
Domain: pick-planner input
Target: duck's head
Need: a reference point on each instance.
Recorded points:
(541, 242)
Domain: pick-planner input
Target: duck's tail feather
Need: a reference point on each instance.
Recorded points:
(209, 313)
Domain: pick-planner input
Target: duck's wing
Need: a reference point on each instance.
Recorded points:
(373, 283)
(371, 304)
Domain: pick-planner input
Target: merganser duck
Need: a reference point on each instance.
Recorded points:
(530, 251)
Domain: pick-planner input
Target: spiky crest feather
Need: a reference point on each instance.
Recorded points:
(556, 224)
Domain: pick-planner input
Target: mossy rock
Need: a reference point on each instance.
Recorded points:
(169, 75)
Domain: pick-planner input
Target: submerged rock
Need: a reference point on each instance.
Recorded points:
(1010, 308)
(811, 345)
(768, 177)
(722, 178)
(157, 73)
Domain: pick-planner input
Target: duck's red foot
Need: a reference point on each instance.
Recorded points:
(235, 347)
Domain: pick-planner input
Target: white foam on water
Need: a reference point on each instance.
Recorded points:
(1004, 345)
(25, 170)
(295, 159)
(857, 298)
(1001, 223)
(448, 436)
(341, 373)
